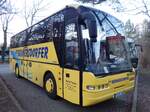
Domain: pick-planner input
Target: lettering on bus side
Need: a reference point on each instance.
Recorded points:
(41, 52)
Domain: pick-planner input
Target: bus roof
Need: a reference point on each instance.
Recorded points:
(75, 6)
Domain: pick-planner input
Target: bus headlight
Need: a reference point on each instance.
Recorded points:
(90, 87)
(97, 87)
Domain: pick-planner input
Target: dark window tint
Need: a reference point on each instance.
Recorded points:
(58, 21)
(12, 42)
(57, 32)
(72, 48)
(43, 31)
(22, 39)
(17, 38)
(46, 30)
(36, 33)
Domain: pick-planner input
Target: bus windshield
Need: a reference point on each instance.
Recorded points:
(109, 54)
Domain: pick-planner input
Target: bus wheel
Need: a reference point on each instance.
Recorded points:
(17, 71)
(50, 86)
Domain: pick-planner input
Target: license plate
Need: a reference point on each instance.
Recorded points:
(119, 80)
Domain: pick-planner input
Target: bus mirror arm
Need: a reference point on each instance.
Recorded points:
(90, 21)
(139, 46)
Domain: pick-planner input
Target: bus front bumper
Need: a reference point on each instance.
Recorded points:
(91, 98)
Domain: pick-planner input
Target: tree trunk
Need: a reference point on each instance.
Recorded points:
(4, 46)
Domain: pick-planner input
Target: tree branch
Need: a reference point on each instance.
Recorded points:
(146, 12)
(31, 12)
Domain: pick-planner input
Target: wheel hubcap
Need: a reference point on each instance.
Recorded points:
(49, 85)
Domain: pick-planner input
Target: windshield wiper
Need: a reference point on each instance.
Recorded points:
(111, 24)
(105, 17)
(99, 21)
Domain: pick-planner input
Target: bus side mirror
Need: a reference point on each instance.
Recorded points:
(90, 21)
(134, 62)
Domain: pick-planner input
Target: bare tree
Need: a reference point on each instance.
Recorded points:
(3, 8)
(30, 13)
(5, 19)
(2, 2)
(91, 1)
(138, 6)
(114, 4)
(145, 9)
(133, 7)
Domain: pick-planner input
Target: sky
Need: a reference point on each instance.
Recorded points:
(52, 6)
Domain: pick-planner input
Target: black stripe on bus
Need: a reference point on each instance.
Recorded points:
(80, 66)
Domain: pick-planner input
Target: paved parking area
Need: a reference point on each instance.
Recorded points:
(8, 103)
(32, 98)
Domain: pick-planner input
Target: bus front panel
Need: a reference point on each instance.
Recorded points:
(98, 89)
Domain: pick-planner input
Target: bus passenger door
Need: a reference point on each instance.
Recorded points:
(25, 69)
(71, 68)
(25, 65)
(21, 67)
(30, 70)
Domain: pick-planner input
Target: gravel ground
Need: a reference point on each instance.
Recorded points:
(32, 98)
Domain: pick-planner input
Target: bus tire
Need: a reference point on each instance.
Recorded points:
(17, 71)
(50, 86)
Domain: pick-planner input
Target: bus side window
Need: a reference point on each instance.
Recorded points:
(36, 34)
(17, 38)
(72, 47)
(22, 39)
(12, 42)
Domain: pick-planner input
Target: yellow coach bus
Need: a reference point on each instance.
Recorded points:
(78, 53)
